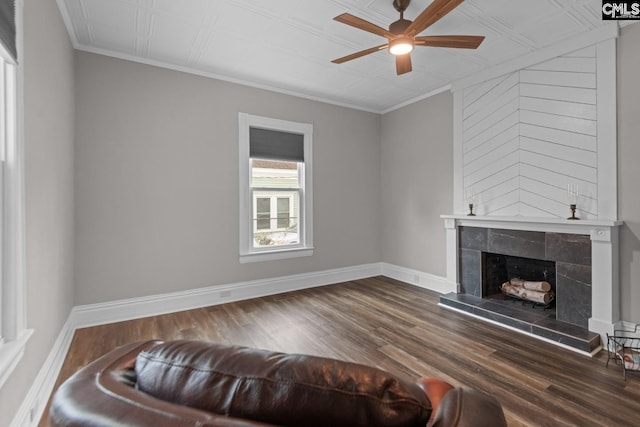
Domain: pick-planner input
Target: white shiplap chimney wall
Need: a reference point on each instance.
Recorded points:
(521, 137)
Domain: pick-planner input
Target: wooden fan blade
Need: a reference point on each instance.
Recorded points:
(359, 54)
(403, 63)
(432, 14)
(461, 42)
(361, 24)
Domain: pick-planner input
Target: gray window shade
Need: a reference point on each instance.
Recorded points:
(276, 145)
(8, 26)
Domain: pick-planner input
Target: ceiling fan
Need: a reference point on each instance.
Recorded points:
(402, 34)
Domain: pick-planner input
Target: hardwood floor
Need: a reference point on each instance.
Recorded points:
(400, 328)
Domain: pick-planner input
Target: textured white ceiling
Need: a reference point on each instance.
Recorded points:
(288, 45)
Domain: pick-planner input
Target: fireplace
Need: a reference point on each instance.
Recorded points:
(577, 258)
(501, 272)
(489, 257)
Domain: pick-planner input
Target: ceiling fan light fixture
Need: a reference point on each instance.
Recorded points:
(403, 34)
(401, 45)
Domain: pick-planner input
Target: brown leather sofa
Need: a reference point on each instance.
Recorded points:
(194, 383)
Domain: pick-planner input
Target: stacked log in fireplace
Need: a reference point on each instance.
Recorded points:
(535, 292)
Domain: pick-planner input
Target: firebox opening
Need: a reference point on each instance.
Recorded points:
(498, 269)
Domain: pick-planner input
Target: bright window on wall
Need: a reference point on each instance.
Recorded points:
(13, 332)
(275, 189)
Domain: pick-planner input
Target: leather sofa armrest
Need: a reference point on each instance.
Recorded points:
(435, 390)
(468, 408)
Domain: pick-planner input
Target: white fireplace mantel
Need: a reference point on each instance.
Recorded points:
(605, 288)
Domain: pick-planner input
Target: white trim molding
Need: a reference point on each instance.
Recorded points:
(35, 402)
(135, 308)
(12, 352)
(416, 278)
(13, 323)
(249, 253)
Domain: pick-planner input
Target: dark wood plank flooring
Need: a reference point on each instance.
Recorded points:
(400, 328)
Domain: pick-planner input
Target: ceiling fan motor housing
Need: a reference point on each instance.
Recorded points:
(399, 26)
(401, 5)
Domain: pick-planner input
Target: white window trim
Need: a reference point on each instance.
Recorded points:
(305, 248)
(14, 319)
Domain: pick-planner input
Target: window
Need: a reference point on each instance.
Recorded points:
(275, 189)
(276, 198)
(284, 212)
(13, 332)
(263, 213)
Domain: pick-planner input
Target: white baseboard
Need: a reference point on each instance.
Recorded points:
(34, 403)
(418, 278)
(135, 308)
(83, 316)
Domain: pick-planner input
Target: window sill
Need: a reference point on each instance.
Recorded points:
(11, 353)
(276, 255)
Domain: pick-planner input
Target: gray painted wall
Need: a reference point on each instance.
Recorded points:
(139, 166)
(417, 183)
(157, 181)
(628, 170)
(48, 119)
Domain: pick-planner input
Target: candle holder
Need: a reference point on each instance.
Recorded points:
(573, 193)
(573, 211)
(472, 197)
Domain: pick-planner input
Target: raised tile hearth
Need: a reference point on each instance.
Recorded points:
(534, 321)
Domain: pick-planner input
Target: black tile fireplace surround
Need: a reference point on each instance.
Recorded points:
(571, 254)
(564, 260)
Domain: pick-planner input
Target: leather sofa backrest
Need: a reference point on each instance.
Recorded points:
(103, 394)
(277, 388)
